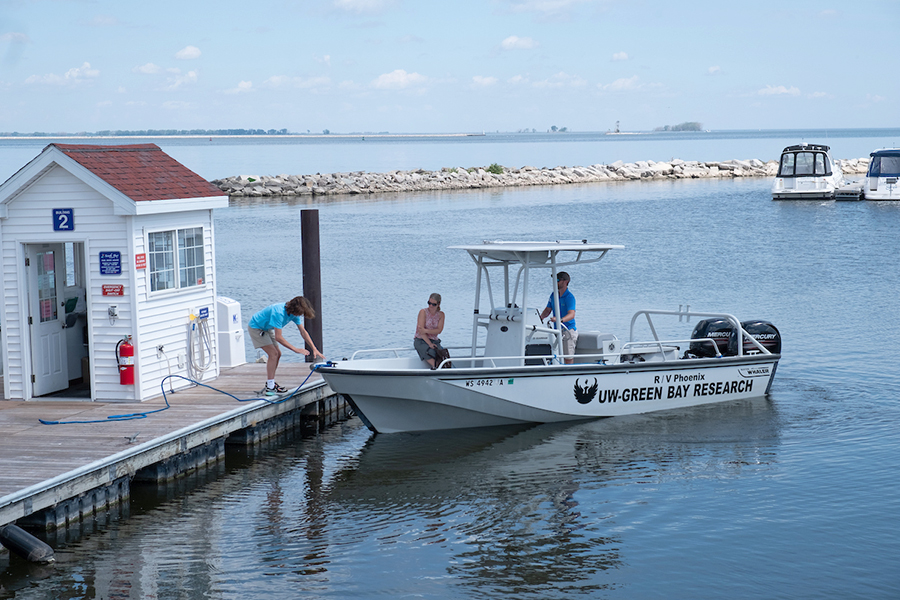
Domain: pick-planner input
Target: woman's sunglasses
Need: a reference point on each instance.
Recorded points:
(430, 303)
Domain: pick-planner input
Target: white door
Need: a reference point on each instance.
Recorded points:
(46, 269)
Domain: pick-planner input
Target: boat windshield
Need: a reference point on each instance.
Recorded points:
(799, 164)
(885, 165)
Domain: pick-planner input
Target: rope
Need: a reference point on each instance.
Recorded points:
(143, 415)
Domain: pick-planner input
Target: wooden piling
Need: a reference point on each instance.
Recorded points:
(312, 277)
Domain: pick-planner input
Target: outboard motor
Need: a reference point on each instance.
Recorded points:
(720, 330)
(763, 332)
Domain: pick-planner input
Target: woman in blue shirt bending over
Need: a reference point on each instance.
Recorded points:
(265, 332)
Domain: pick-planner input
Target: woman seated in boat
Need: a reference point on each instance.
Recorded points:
(429, 326)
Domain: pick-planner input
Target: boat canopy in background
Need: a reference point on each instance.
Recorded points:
(885, 163)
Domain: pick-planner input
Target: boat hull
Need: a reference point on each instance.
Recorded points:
(813, 195)
(391, 401)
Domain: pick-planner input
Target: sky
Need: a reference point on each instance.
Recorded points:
(423, 66)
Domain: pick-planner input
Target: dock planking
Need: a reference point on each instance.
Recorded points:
(47, 459)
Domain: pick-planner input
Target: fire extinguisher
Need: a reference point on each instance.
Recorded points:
(125, 359)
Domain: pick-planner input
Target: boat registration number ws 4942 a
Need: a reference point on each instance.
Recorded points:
(488, 382)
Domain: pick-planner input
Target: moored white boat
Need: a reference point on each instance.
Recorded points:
(518, 375)
(806, 172)
(883, 175)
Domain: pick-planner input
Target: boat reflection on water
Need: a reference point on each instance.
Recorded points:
(543, 503)
(449, 463)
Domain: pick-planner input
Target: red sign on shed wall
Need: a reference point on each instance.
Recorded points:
(113, 289)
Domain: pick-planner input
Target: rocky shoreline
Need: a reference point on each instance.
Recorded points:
(460, 178)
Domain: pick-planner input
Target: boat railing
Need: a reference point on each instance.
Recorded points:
(548, 359)
(687, 314)
(491, 361)
(396, 352)
(662, 345)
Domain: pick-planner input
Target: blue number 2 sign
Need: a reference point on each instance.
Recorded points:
(63, 219)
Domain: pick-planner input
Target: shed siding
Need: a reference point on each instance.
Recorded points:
(165, 315)
(30, 221)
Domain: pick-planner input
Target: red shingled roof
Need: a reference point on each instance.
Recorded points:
(140, 171)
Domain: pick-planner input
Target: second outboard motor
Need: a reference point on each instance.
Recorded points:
(763, 332)
(719, 330)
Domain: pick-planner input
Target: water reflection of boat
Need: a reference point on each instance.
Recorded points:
(520, 374)
(807, 172)
(427, 468)
(544, 504)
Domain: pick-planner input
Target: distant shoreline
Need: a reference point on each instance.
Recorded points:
(254, 137)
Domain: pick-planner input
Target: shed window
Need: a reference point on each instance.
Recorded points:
(170, 269)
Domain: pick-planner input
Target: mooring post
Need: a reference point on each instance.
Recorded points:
(312, 276)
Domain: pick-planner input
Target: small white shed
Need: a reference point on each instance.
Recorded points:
(99, 243)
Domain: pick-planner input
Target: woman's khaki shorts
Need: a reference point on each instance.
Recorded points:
(261, 337)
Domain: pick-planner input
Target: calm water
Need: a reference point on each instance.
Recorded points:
(795, 496)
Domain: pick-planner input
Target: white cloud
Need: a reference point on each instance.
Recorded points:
(176, 105)
(874, 98)
(363, 6)
(188, 53)
(548, 8)
(14, 37)
(622, 85)
(302, 83)
(104, 21)
(819, 95)
(325, 60)
(178, 80)
(713, 70)
(83, 72)
(73, 76)
(398, 80)
(771, 90)
(517, 79)
(514, 42)
(560, 80)
(484, 81)
(620, 56)
(148, 69)
(242, 88)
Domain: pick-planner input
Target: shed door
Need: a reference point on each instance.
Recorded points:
(46, 270)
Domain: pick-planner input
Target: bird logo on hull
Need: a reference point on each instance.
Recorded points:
(585, 393)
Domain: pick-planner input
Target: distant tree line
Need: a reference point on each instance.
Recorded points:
(687, 126)
(151, 132)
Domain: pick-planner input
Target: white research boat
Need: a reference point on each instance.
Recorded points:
(882, 175)
(807, 172)
(519, 375)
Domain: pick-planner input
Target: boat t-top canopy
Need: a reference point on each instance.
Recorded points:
(538, 254)
(523, 257)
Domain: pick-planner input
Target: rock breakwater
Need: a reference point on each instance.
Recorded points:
(461, 178)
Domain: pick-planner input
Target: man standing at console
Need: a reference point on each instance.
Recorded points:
(567, 309)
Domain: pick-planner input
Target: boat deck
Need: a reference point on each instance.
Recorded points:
(43, 465)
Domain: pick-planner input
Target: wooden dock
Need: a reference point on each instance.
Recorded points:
(53, 475)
